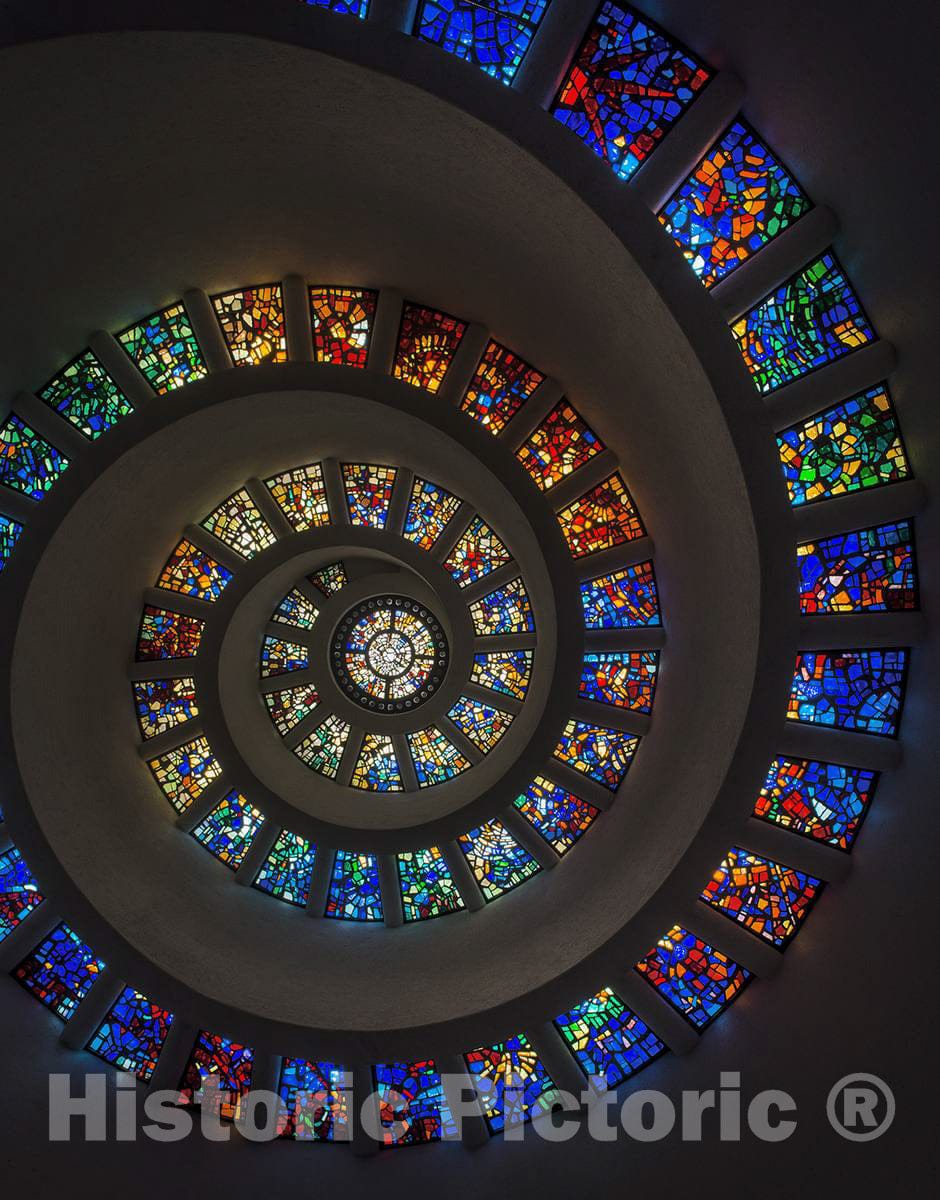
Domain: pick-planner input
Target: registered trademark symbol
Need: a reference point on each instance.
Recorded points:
(860, 1107)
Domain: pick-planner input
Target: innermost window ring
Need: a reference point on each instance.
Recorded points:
(389, 654)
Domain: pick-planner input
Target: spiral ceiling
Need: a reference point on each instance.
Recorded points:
(469, 623)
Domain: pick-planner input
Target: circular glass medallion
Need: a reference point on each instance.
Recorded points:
(389, 654)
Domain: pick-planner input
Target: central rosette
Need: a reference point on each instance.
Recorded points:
(389, 653)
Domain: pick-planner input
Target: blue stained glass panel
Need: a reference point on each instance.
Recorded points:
(28, 463)
(513, 1083)
(427, 886)
(285, 873)
(812, 319)
(85, 394)
(624, 678)
(824, 801)
(860, 690)
(19, 892)
(354, 893)
(228, 831)
(608, 1040)
(60, 971)
(694, 977)
(496, 859)
(315, 1101)
(737, 199)
(560, 817)
(867, 570)
(626, 87)
(504, 610)
(352, 8)
(132, 1034)
(493, 35)
(622, 599)
(10, 531)
(600, 753)
(412, 1105)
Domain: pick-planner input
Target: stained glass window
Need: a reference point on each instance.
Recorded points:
(342, 324)
(737, 199)
(132, 1034)
(429, 510)
(354, 893)
(621, 600)
(626, 87)
(603, 517)
(165, 349)
(286, 871)
(28, 463)
(228, 831)
(389, 653)
(354, 8)
(60, 971)
(560, 817)
(427, 886)
(558, 447)
(869, 570)
(853, 446)
(481, 723)
(412, 1105)
(19, 893)
(694, 977)
(301, 496)
(229, 1062)
(192, 572)
(84, 393)
(850, 689)
(368, 493)
(10, 531)
(500, 386)
(496, 859)
(601, 754)
(506, 671)
(504, 610)
(296, 609)
(185, 773)
(478, 552)
(329, 579)
(436, 759)
(163, 704)
(492, 36)
(323, 750)
(278, 657)
(812, 319)
(314, 1097)
(514, 1084)
(607, 1039)
(165, 634)
(624, 678)
(291, 705)
(824, 801)
(252, 320)
(377, 768)
(766, 897)
(427, 343)
(238, 522)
